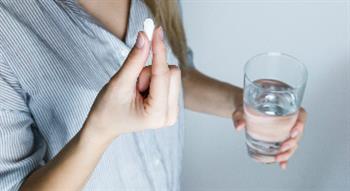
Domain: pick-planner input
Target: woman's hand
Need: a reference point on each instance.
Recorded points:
(289, 146)
(119, 108)
(122, 106)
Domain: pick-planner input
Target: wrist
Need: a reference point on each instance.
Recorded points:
(237, 98)
(91, 135)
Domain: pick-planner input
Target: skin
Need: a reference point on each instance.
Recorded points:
(124, 95)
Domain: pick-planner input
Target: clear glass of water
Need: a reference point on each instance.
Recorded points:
(274, 85)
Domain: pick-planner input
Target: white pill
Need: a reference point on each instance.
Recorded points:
(148, 27)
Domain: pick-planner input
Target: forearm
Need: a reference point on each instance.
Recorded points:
(207, 95)
(71, 168)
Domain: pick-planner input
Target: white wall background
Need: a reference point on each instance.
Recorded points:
(223, 35)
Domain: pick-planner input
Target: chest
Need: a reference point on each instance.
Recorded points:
(62, 62)
(113, 15)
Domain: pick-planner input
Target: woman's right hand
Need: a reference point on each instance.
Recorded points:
(120, 107)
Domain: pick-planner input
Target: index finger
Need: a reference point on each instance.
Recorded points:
(160, 79)
(159, 62)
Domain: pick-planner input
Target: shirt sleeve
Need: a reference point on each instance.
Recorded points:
(21, 149)
(190, 58)
(189, 52)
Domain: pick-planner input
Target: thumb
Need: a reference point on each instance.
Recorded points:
(135, 61)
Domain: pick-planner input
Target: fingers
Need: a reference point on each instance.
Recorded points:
(159, 87)
(174, 91)
(134, 63)
(289, 144)
(283, 165)
(286, 155)
(159, 63)
(289, 147)
(298, 129)
(302, 115)
(238, 119)
(144, 79)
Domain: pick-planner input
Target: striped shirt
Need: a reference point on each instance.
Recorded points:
(54, 59)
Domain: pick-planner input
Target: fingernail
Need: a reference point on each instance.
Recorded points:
(294, 134)
(140, 41)
(161, 33)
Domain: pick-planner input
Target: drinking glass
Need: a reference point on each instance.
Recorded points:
(274, 85)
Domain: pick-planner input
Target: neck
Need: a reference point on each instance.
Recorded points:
(112, 14)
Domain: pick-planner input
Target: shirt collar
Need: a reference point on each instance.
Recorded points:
(138, 13)
(76, 8)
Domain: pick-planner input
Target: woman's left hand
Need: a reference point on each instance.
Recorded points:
(289, 146)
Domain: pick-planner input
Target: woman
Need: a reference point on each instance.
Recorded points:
(79, 109)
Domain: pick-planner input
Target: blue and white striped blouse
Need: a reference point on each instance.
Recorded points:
(54, 59)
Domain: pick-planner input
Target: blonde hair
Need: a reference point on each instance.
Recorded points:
(167, 14)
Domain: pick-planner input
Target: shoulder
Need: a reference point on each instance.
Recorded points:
(22, 25)
(14, 14)
(26, 12)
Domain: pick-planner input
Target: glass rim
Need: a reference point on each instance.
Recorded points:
(301, 64)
